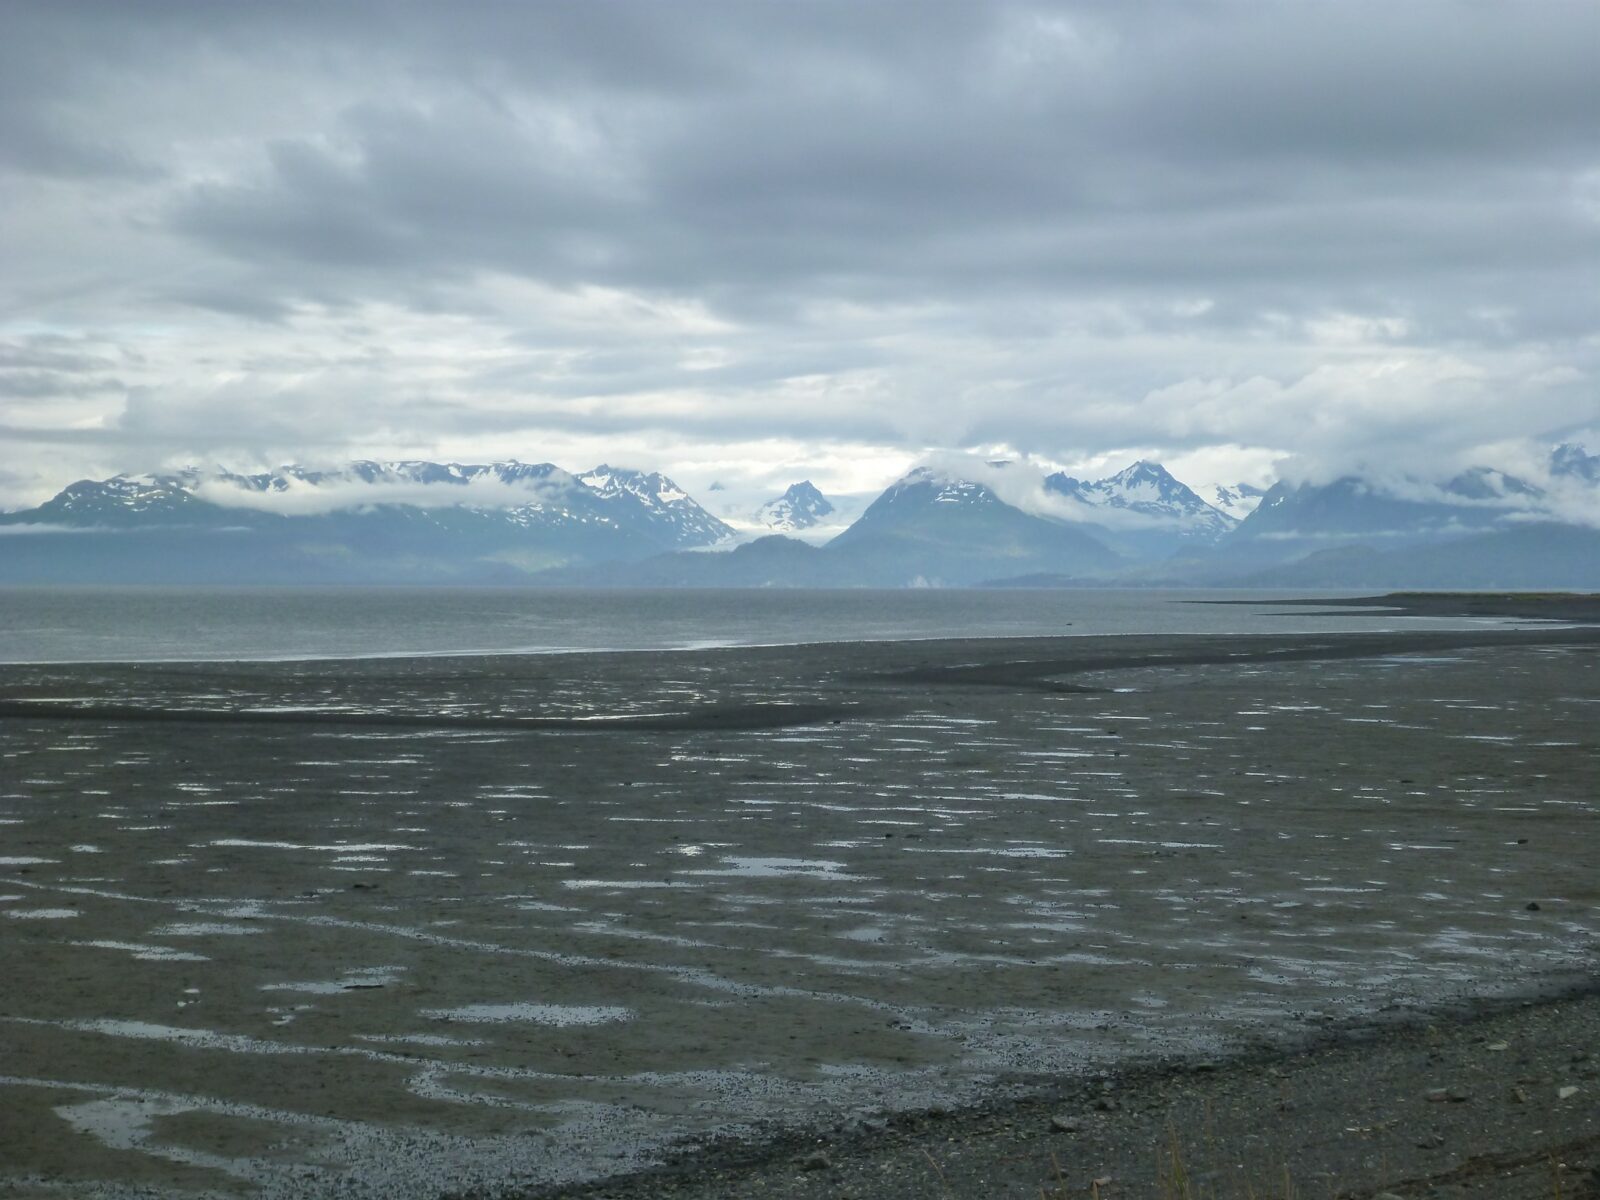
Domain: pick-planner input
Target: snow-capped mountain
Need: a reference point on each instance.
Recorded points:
(120, 500)
(1391, 510)
(922, 488)
(934, 527)
(1384, 516)
(1238, 500)
(1142, 511)
(1481, 528)
(1148, 489)
(802, 506)
(416, 521)
(406, 520)
(661, 504)
(521, 494)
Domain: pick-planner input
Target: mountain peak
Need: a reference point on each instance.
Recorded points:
(1143, 468)
(1143, 487)
(1147, 481)
(662, 502)
(933, 525)
(607, 479)
(1571, 461)
(801, 506)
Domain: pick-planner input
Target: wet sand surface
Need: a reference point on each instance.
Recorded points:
(473, 926)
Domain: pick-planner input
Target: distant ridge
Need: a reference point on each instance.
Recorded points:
(404, 521)
(416, 521)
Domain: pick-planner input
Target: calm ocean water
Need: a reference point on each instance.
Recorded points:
(163, 624)
(122, 624)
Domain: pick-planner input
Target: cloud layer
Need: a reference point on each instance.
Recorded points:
(755, 243)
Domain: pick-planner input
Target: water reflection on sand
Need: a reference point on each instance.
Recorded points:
(546, 954)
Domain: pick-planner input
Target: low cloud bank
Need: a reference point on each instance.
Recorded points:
(294, 496)
(1020, 482)
(1531, 493)
(32, 529)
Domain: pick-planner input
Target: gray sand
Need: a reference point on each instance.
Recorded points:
(400, 928)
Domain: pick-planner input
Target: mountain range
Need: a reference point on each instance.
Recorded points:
(993, 523)
(377, 522)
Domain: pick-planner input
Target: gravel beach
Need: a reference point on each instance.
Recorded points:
(910, 919)
(1471, 1100)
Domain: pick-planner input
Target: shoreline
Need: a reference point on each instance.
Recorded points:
(1576, 608)
(1433, 1103)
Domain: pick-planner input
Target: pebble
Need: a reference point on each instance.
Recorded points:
(1065, 1124)
(816, 1161)
(1566, 1093)
(1430, 1141)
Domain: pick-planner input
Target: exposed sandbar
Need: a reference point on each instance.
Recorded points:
(408, 927)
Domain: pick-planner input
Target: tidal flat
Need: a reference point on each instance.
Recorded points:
(503, 925)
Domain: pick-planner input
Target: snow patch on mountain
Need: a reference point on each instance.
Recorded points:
(1237, 500)
(659, 502)
(1143, 499)
(128, 493)
(653, 488)
(525, 496)
(966, 479)
(1144, 495)
(800, 507)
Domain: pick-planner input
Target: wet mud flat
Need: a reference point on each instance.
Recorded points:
(496, 925)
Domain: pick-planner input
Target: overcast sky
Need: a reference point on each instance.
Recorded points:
(754, 242)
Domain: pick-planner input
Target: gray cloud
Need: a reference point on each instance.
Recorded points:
(54, 353)
(1327, 231)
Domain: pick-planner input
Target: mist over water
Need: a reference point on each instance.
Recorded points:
(139, 624)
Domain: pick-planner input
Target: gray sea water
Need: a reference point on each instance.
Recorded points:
(136, 624)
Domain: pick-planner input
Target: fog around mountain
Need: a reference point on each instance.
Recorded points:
(953, 521)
